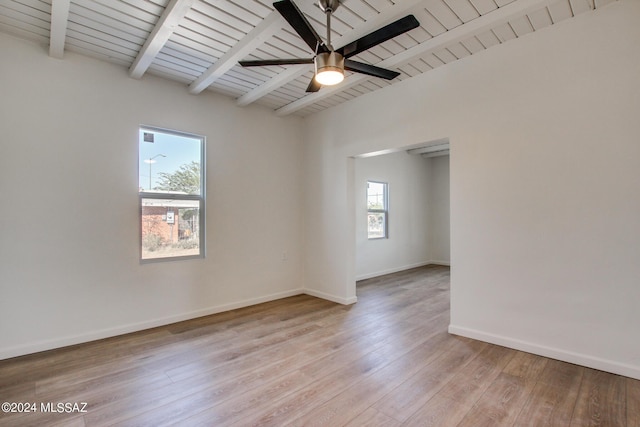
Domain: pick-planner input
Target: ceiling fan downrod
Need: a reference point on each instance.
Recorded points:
(328, 7)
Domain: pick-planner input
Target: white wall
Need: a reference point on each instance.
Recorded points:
(545, 170)
(418, 213)
(439, 211)
(69, 250)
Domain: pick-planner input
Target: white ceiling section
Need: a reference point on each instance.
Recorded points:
(199, 42)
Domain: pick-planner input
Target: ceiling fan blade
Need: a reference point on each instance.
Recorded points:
(262, 62)
(298, 22)
(370, 70)
(381, 35)
(314, 86)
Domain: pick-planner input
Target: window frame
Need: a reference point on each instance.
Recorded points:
(384, 211)
(200, 198)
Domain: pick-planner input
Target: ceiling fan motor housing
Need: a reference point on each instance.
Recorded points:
(329, 62)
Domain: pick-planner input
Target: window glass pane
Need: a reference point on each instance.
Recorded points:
(375, 196)
(171, 187)
(169, 163)
(170, 228)
(377, 209)
(376, 225)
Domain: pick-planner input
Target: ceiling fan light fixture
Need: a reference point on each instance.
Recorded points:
(329, 68)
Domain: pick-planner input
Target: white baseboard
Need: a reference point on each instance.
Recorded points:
(397, 269)
(333, 298)
(553, 353)
(50, 344)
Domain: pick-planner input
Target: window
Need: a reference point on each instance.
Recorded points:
(171, 190)
(377, 210)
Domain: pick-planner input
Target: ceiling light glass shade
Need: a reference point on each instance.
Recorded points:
(329, 68)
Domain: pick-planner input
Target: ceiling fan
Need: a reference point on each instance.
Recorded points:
(330, 63)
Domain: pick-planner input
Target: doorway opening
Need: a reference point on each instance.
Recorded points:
(418, 209)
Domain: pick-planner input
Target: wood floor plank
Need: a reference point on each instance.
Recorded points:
(329, 381)
(449, 405)
(440, 411)
(601, 400)
(204, 410)
(373, 418)
(358, 397)
(404, 400)
(554, 397)
(228, 382)
(302, 361)
(237, 387)
(633, 402)
(505, 397)
(70, 422)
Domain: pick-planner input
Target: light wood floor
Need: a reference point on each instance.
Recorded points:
(302, 361)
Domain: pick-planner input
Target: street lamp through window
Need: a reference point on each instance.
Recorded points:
(152, 161)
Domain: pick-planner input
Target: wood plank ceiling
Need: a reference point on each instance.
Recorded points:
(199, 42)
